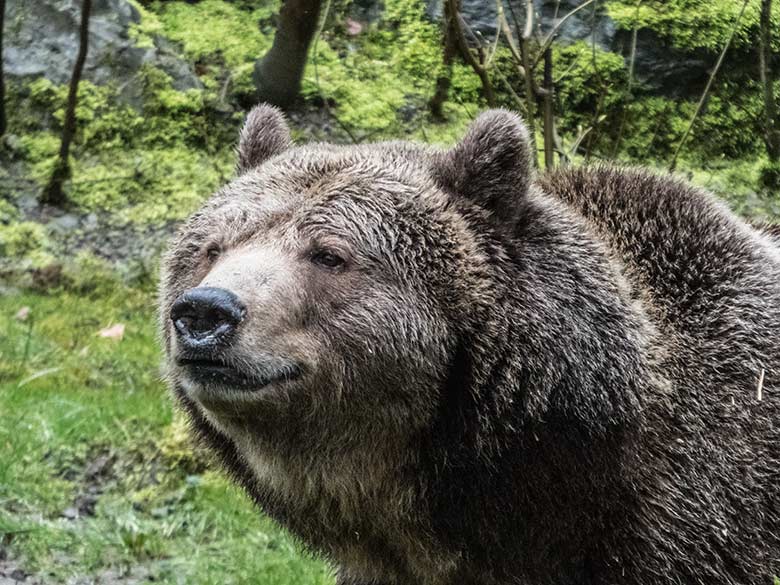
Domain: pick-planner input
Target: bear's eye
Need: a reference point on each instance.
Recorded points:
(213, 252)
(327, 259)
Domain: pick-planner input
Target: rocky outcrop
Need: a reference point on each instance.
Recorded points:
(41, 39)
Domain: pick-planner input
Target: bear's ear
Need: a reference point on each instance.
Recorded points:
(492, 165)
(265, 134)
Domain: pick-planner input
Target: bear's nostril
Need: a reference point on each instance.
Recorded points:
(206, 317)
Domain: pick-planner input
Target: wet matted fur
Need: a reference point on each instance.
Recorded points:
(506, 379)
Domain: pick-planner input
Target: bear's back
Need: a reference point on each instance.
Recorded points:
(711, 285)
(701, 272)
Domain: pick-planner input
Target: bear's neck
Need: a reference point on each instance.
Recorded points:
(526, 423)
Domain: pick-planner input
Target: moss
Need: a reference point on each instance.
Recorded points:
(217, 29)
(146, 167)
(170, 116)
(412, 43)
(102, 122)
(653, 127)
(157, 163)
(22, 238)
(143, 32)
(590, 82)
(179, 449)
(40, 150)
(366, 95)
(88, 275)
(691, 24)
(8, 212)
(148, 185)
(380, 81)
(24, 245)
(729, 126)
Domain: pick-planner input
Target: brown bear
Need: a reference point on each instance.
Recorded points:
(436, 368)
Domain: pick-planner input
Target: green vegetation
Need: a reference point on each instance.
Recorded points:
(97, 474)
(146, 166)
(152, 158)
(690, 24)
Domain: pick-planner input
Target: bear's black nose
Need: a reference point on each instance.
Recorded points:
(206, 318)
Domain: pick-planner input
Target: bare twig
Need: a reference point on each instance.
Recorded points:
(630, 83)
(548, 40)
(548, 112)
(706, 92)
(517, 56)
(771, 131)
(478, 65)
(503, 27)
(593, 137)
(315, 55)
(760, 389)
(529, 20)
(557, 9)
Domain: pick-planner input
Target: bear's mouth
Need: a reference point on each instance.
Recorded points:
(212, 371)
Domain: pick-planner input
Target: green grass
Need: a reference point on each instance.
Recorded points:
(96, 471)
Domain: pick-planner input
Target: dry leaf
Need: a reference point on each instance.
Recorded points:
(113, 332)
(22, 314)
(353, 27)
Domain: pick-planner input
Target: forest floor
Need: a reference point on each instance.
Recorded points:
(98, 481)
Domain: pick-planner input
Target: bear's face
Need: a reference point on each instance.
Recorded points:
(322, 291)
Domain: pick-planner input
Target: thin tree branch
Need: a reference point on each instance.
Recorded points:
(771, 134)
(630, 83)
(529, 20)
(3, 121)
(706, 92)
(548, 40)
(315, 55)
(530, 96)
(468, 56)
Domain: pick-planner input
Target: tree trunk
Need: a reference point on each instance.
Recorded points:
(450, 49)
(3, 121)
(53, 194)
(278, 74)
(771, 132)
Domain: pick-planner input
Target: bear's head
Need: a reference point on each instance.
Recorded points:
(328, 290)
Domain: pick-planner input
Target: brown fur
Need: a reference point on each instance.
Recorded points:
(510, 380)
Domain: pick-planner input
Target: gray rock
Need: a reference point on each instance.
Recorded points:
(65, 223)
(481, 17)
(42, 40)
(27, 203)
(665, 70)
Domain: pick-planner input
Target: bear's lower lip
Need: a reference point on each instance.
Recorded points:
(205, 371)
